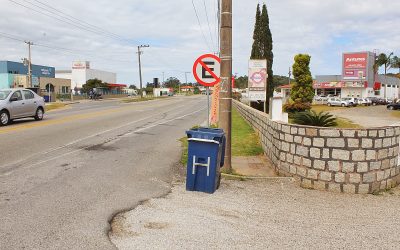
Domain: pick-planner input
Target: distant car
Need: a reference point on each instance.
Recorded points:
(374, 100)
(393, 106)
(335, 101)
(352, 101)
(364, 101)
(20, 103)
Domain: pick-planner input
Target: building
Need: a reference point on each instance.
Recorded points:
(15, 75)
(81, 72)
(358, 79)
(158, 92)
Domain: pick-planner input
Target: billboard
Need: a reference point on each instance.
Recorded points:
(81, 65)
(355, 66)
(257, 80)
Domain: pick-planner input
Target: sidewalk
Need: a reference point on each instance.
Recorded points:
(260, 214)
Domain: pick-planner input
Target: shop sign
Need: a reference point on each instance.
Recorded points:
(257, 75)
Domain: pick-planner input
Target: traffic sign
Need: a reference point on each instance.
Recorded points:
(206, 70)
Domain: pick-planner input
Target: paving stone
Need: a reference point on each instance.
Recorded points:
(335, 142)
(369, 177)
(319, 142)
(340, 177)
(362, 167)
(349, 133)
(334, 166)
(363, 189)
(353, 143)
(315, 153)
(333, 187)
(341, 154)
(354, 178)
(358, 155)
(329, 132)
(366, 143)
(349, 188)
(319, 164)
(325, 176)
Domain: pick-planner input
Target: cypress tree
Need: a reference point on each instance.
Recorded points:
(266, 49)
(302, 90)
(256, 50)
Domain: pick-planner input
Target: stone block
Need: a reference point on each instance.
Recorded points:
(285, 146)
(389, 132)
(366, 143)
(348, 167)
(362, 167)
(307, 163)
(288, 138)
(355, 178)
(353, 143)
(289, 158)
(307, 141)
(333, 187)
(334, 166)
(349, 133)
(386, 164)
(311, 132)
(298, 139)
(319, 185)
(363, 189)
(371, 155)
(319, 142)
(375, 165)
(329, 132)
(294, 131)
(381, 133)
(380, 175)
(383, 185)
(301, 171)
(297, 160)
(373, 133)
(340, 154)
(302, 131)
(369, 177)
(387, 174)
(387, 142)
(282, 156)
(303, 151)
(312, 174)
(286, 129)
(340, 177)
(320, 165)
(358, 155)
(292, 148)
(305, 183)
(378, 143)
(362, 133)
(349, 188)
(325, 153)
(325, 176)
(293, 169)
(335, 142)
(315, 153)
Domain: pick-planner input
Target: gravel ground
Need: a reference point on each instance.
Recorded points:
(373, 116)
(261, 214)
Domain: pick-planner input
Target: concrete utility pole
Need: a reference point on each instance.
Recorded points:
(225, 99)
(290, 74)
(29, 64)
(140, 67)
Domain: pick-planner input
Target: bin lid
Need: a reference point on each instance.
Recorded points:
(206, 133)
(204, 140)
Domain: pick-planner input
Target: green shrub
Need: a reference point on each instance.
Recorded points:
(292, 107)
(312, 118)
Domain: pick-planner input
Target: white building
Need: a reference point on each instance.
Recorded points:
(81, 72)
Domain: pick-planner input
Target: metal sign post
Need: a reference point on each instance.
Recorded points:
(208, 107)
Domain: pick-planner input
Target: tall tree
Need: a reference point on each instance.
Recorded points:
(395, 63)
(302, 89)
(256, 49)
(383, 60)
(262, 46)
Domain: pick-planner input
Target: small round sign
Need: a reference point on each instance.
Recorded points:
(206, 70)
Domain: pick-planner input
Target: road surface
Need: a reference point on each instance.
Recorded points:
(64, 178)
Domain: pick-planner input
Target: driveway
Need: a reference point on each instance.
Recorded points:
(373, 116)
(261, 215)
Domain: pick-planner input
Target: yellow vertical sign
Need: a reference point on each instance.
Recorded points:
(214, 118)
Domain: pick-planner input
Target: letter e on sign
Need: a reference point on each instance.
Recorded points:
(206, 70)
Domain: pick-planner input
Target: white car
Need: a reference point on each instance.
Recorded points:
(335, 101)
(352, 101)
(364, 101)
(20, 103)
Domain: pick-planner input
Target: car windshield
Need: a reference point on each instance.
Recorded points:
(4, 94)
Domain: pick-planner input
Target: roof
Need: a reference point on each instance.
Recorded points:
(115, 85)
(288, 86)
(187, 87)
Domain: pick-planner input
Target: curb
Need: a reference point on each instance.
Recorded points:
(257, 177)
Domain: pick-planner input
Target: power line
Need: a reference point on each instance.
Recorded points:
(198, 20)
(208, 22)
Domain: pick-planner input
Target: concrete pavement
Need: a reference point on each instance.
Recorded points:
(63, 179)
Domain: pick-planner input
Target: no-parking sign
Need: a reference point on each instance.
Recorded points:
(206, 70)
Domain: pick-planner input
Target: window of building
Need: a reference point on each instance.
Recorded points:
(10, 72)
(377, 92)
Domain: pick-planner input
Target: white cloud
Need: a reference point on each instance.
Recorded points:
(323, 29)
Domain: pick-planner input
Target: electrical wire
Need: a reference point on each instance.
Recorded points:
(208, 22)
(201, 29)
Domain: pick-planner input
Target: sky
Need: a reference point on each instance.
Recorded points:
(107, 33)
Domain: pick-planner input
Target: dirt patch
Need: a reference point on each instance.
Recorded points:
(156, 225)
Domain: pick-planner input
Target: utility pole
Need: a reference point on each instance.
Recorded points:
(29, 64)
(290, 74)
(225, 99)
(140, 67)
(185, 81)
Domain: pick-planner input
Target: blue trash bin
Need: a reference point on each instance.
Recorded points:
(220, 133)
(204, 159)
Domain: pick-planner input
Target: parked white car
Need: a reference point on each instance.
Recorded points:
(352, 101)
(335, 101)
(20, 103)
(364, 101)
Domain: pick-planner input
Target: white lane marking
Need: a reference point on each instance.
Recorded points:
(88, 137)
(79, 150)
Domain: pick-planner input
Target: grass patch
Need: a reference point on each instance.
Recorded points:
(137, 99)
(325, 108)
(395, 113)
(245, 141)
(185, 145)
(54, 106)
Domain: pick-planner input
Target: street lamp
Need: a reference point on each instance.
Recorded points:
(140, 67)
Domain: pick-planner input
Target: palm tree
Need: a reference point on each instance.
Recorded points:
(383, 60)
(395, 63)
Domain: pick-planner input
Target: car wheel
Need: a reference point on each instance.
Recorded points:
(343, 105)
(39, 114)
(4, 118)
(329, 104)
(391, 108)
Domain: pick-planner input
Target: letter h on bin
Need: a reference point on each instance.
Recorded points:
(206, 154)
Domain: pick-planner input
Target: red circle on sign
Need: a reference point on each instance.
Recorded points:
(199, 61)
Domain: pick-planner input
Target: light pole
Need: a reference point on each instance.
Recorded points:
(140, 67)
(29, 64)
(186, 82)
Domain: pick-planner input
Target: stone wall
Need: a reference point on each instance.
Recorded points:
(340, 160)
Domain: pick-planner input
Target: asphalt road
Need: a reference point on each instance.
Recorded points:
(64, 178)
